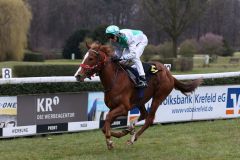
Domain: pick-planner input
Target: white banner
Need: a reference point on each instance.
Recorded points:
(19, 131)
(207, 102)
(79, 126)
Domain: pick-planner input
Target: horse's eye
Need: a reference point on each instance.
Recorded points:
(90, 59)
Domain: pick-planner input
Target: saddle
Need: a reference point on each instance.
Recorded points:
(149, 69)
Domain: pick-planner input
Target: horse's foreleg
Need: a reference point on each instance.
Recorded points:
(111, 116)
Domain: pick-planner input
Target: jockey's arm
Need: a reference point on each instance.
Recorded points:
(132, 51)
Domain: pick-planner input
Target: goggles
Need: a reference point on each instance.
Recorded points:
(110, 36)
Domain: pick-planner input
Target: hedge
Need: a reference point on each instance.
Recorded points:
(33, 57)
(40, 88)
(44, 70)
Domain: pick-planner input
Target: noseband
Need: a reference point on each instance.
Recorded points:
(91, 70)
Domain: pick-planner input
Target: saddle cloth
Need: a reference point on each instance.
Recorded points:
(149, 69)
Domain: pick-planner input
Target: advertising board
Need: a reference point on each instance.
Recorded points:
(51, 109)
(207, 102)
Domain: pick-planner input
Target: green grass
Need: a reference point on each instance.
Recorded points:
(236, 54)
(206, 140)
(221, 65)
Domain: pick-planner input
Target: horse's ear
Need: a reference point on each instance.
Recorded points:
(88, 46)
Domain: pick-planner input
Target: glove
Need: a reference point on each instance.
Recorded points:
(116, 59)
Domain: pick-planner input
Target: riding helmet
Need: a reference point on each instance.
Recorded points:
(112, 30)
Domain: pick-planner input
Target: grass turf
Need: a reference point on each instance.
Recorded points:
(205, 140)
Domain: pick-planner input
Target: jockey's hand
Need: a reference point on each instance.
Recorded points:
(116, 59)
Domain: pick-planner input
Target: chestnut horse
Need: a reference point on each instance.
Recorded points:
(120, 92)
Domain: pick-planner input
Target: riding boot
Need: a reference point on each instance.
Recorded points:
(142, 82)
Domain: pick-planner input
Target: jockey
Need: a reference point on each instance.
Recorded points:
(129, 46)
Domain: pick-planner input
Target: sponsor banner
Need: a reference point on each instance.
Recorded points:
(1, 132)
(8, 106)
(19, 131)
(207, 102)
(167, 111)
(52, 108)
(60, 127)
(80, 126)
(8, 112)
(97, 110)
(231, 101)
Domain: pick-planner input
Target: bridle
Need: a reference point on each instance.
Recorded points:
(91, 70)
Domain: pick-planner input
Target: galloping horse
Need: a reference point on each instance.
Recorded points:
(120, 92)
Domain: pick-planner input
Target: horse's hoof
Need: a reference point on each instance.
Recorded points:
(129, 142)
(110, 145)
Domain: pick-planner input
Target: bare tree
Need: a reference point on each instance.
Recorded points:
(174, 16)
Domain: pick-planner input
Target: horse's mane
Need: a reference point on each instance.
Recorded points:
(107, 49)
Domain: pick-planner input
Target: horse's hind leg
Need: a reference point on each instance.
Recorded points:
(143, 112)
(150, 118)
(131, 128)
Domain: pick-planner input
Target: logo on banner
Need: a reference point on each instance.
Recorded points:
(46, 104)
(233, 101)
(47, 109)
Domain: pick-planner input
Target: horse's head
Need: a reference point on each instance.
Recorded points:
(93, 61)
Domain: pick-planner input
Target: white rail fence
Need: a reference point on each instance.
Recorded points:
(96, 78)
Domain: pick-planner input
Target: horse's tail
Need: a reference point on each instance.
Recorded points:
(188, 86)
